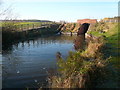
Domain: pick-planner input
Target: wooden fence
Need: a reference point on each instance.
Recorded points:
(25, 27)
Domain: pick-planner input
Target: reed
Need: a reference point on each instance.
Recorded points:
(81, 69)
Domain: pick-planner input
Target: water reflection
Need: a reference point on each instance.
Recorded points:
(79, 42)
(39, 41)
(26, 63)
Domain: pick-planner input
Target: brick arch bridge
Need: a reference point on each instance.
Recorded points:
(90, 21)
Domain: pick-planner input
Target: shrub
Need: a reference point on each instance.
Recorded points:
(84, 69)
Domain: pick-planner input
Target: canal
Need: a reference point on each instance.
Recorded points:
(26, 64)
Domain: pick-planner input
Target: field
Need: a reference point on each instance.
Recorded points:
(19, 26)
(18, 23)
(17, 31)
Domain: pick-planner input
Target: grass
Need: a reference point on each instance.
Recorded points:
(81, 69)
(19, 26)
(113, 50)
(18, 23)
(12, 32)
(95, 67)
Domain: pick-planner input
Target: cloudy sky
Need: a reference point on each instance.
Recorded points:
(68, 10)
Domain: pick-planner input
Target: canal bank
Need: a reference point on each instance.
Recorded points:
(95, 67)
(10, 36)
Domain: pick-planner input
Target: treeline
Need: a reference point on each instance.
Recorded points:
(26, 20)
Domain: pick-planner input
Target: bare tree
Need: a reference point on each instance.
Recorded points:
(6, 12)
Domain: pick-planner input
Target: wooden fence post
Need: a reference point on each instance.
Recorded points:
(40, 25)
(16, 27)
(49, 25)
(21, 27)
(33, 26)
(28, 26)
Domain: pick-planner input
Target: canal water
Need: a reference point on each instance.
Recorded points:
(26, 64)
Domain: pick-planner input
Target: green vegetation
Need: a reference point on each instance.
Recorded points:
(81, 69)
(95, 67)
(16, 23)
(113, 47)
(20, 26)
(16, 31)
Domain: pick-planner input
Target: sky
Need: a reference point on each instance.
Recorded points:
(66, 10)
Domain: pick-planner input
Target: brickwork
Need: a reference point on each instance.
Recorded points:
(81, 21)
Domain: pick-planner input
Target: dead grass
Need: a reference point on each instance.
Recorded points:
(70, 27)
(81, 69)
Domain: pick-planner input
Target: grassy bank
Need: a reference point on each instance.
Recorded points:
(10, 35)
(112, 50)
(95, 67)
(19, 26)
